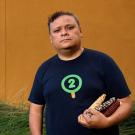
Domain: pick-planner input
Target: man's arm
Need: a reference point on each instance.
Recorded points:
(122, 112)
(98, 120)
(36, 118)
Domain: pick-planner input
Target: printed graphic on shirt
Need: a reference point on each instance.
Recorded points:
(71, 84)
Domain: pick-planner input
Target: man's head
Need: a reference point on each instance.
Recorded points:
(64, 30)
(57, 14)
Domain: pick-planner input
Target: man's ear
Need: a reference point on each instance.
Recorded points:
(81, 34)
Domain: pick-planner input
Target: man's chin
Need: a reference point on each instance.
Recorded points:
(68, 48)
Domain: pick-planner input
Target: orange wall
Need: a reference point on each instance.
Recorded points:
(24, 44)
(2, 49)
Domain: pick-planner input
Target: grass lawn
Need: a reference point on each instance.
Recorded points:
(14, 121)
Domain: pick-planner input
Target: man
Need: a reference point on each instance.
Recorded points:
(67, 83)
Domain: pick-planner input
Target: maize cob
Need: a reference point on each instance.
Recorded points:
(112, 108)
(98, 102)
(106, 104)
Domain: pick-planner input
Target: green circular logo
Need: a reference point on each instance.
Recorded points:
(71, 81)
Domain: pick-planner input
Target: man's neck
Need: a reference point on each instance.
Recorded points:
(70, 54)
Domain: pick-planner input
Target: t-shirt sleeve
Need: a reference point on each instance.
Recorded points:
(114, 79)
(36, 94)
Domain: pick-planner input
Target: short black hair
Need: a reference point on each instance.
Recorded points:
(57, 14)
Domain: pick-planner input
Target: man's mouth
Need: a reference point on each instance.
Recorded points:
(66, 39)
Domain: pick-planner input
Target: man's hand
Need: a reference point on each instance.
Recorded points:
(94, 119)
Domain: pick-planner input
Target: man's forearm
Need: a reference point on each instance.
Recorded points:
(122, 112)
(35, 120)
(35, 123)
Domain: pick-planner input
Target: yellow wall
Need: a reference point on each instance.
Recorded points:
(24, 44)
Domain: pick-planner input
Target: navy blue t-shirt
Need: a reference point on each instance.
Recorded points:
(87, 77)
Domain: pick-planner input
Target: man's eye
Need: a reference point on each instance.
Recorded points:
(70, 27)
(55, 31)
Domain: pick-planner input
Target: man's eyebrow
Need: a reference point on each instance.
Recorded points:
(70, 25)
(57, 27)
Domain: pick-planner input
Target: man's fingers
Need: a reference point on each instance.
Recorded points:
(88, 118)
(87, 115)
(82, 120)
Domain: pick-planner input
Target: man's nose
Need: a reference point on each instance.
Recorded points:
(64, 32)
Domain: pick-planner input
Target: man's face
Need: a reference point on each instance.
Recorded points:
(65, 33)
